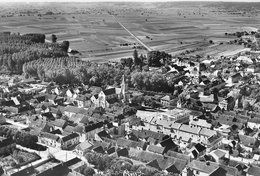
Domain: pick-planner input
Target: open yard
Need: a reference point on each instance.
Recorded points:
(171, 27)
(17, 158)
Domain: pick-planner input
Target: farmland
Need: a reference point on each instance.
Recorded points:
(170, 27)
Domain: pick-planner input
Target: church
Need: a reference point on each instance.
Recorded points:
(111, 95)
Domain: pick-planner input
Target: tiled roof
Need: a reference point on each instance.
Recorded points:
(156, 149)
(202, 166)
(75, 110)
(50, 136)
(59, 123)
(188, 129)
(122, 142)
(207, 132)
(253, 171)
(84, 145)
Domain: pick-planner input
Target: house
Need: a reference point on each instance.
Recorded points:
(77, 118)
(156, 149)
(83, 100)
(80, 130)
(6, 145)
(59, 124)
(122, 142)
(71, 94)
(105, 98)
(227, 104)
(198, 168)
(70, 110)
(56, 112)
(82, 147)
(54, 99)
(197, 151)
(234, 78)
(92, 130)
(29, 81)
(165, 101)
(50, 139)
(218, 155)
(69, 140)
(100, 135)
(200, 123)
(192, 132)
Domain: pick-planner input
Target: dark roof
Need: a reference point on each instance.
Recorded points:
(173, 169)
(98, 149)
(154, 163)
(111, 150)
(69, 137)
(103, 134)
(112, 100)
(109, 91)
(195, 153)
(200, 148)
(168, 143)
(25, 172)
(122, 152)
(6, 142)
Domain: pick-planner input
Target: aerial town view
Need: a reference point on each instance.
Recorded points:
(129, 88)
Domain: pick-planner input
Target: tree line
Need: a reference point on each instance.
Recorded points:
(22, 138)
(111, 166)
(15, 50)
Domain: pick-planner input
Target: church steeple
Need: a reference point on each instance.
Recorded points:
(123, 87)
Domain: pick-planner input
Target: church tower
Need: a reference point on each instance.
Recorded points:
(123, 88)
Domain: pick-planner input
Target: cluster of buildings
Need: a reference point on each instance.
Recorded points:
(212, 130)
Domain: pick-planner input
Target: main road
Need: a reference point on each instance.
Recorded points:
(136, 38)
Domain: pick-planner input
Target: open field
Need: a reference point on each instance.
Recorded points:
(169, 27)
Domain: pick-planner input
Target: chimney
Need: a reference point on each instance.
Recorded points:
(208, 163)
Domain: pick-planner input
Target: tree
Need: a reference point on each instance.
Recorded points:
(156, 58)
(53, 38)
(136, 58)
(65, 46)
(128, 111)
(88, 171)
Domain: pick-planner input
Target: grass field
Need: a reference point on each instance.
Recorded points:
(172, 28)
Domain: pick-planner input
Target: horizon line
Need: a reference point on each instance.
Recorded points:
(100, 1)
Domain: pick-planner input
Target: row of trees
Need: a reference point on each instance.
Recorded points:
(68, 70)
(15, 50)
(117, 166)
(22, 138)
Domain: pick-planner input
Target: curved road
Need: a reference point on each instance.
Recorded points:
(136, 38)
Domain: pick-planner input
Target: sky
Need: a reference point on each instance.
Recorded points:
(120, 0)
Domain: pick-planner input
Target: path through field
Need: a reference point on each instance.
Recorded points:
(137, 39)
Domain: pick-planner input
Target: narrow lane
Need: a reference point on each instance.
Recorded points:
(136, 38)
